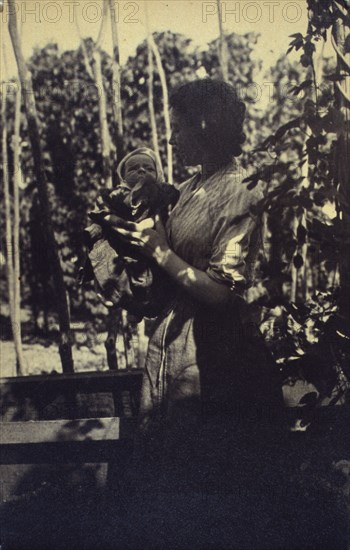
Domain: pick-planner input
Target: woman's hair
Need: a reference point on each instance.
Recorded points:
(215, 109)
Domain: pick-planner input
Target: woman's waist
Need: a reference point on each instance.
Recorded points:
(185, 308)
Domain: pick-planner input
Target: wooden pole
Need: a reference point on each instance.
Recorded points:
(12, 229)
(65, 346)
(116, 103)
(102, 111)
(84, 50)
(8, 225)
(95, 72)
(114, 319)
(163, 82)
(223, 52)
(150, 98)
(16, 225)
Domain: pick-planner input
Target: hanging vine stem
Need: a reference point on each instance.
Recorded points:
(315, 83)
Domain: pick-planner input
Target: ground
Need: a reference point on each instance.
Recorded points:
(321, 471)
(41, 358)
(41, 355)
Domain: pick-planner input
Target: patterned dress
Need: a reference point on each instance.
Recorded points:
(208, 378)
(213, 461)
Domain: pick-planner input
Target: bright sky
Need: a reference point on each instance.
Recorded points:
(44, 21)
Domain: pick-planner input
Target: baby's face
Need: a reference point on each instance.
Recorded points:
(140, 169)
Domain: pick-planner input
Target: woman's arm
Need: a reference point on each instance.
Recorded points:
(153, 244)
(197, 283)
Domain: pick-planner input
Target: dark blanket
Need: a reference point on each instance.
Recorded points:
(124, 277)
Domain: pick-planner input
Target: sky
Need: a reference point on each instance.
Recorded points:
(43, 21)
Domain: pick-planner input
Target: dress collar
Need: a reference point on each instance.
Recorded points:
(228, 168)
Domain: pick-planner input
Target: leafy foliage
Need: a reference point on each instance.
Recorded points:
(67, 107)
(291, 147)
(306, 206)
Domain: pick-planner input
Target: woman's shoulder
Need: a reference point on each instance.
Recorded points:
(187, 183)
(231, 192)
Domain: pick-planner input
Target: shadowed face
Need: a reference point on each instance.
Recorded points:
(186, 139)
(140, 169)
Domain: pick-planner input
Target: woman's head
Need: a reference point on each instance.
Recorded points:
(207, 122)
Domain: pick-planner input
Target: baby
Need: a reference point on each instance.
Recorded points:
(124, 278)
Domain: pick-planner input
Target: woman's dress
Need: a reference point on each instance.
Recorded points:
(210, 388)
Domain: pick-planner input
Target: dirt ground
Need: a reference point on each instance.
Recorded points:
(321, 473)
(40, 359)
(41, 355)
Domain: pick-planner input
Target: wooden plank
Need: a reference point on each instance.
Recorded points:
(71, 452)
(89, 382)
(62, 441)
(69, 396)
(95, 429)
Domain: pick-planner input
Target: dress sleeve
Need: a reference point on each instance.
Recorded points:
(235, 235)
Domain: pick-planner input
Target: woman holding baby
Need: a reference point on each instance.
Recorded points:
(210, 388)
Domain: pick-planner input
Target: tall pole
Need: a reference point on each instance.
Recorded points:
(65, 345)
(164, 85)
(16, 225)
(116, 103)
(150, 81)
(223, 53)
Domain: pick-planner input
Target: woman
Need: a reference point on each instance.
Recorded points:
(208, 380)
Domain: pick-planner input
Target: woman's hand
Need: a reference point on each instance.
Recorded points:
(153, 243)
(149, 241)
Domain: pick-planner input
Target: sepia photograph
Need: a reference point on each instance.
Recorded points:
(175, 275)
